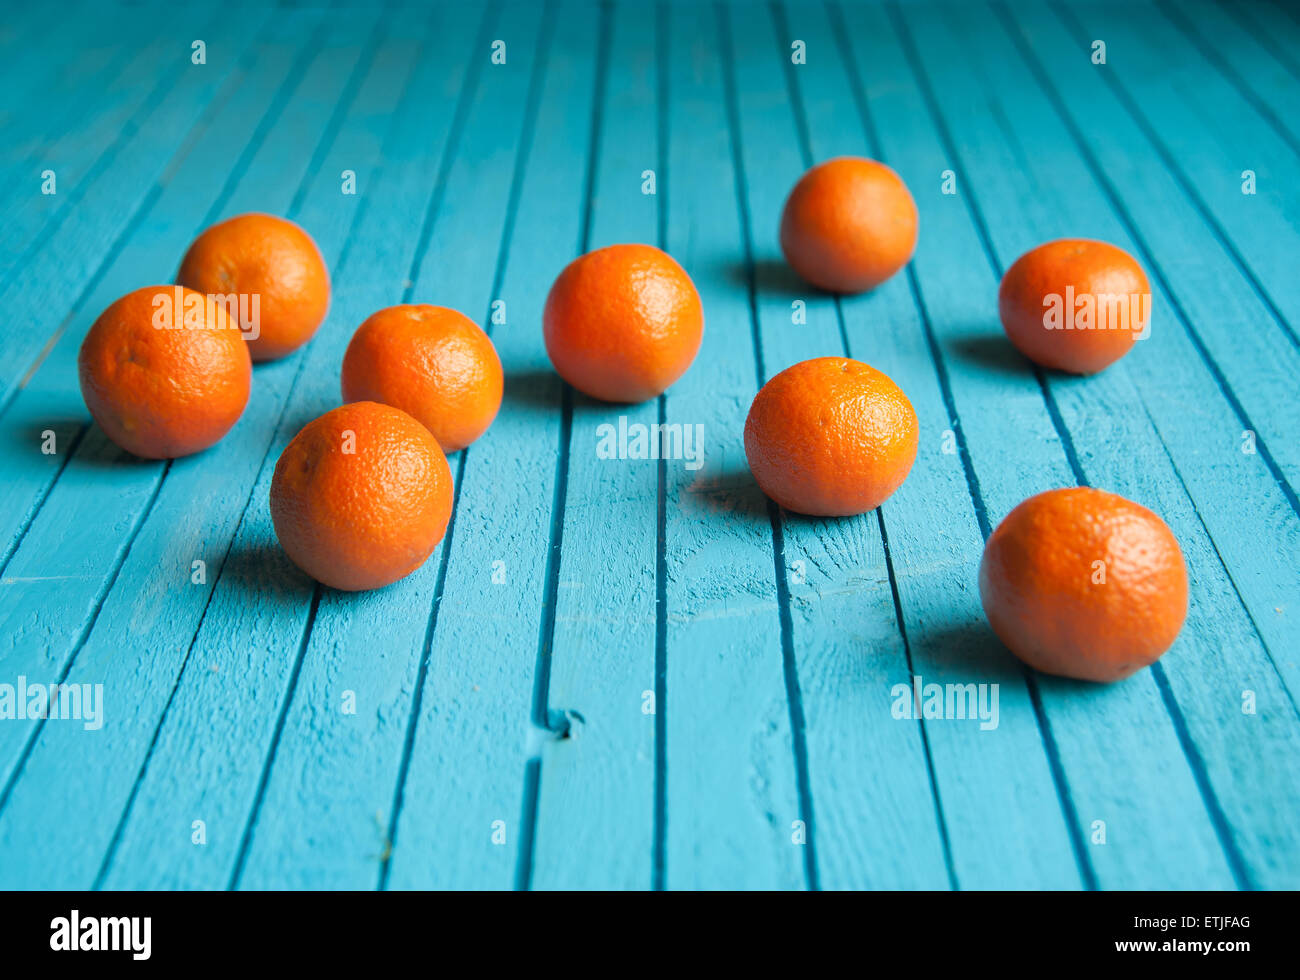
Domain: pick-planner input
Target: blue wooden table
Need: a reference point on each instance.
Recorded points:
(629, 673)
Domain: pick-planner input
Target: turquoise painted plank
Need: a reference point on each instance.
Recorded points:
(57, 580)
(52, 101)
(1273, 29)
(1067, 201)
(48, 94)
(1238, 326)
(596, 787)
(1253, 69)
(730, 808)
(1213, 135)
(88, 148)
(21, 22)
(32, 67)
(154, 608)
(463, 822)
(1123, 765)
(986, 829)
(1195, 792)
(50, 398)
(73, 254)
(245, 643)
(349, 821)
(867, 782)
(931, 574)
(1228, 320)
(1184, 406)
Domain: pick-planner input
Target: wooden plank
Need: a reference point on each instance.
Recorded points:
(473, 740)
(596, 786)
(1237, 515)
(245, 658)
(1238, 330)
(838, 594)
(52, 401)
(89, 149)
(49, 399)
(74, 256)
(1229, 327)
(349, 814)
(1104, 776)
(1087, 410)
(730, 796)
(154, 609)
(1272, 29)
(48, 94)
(983, 840)
(32, 66)
(1211, 135)
(1261, 77)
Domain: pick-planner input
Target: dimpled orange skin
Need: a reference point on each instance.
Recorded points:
(623, 323)
(361, 520)
(431, 362)
(1044, 596)
(830, 437)
(848, 225)
(164, 392)
(273, 258)
(1090, 267)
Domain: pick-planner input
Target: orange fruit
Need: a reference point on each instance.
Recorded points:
(262, 256)
(1074, 305)
(830, 437)
(164, 372)
(623, 323)
(361, 496)
(848, 225)
(1084, 583)
(431, 362)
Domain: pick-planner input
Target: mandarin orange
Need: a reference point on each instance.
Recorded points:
(431, 362)
(848, 225)
(1075, 305)
(1084, 583)
(273, 260)
(164, 372)
(623, 323)
(830, 437)
(361, 496)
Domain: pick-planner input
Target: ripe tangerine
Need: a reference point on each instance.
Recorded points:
(830, 437)
(361, 496)
(1084, 583)
(848, 225)
(623, 323)
(431, 362)
(164, 372)
(272, 259)
(1075, 304)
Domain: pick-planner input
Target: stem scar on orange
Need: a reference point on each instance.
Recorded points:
(848, 225)
(830, 437)
(361, 496)
(1083, 583)
(431, 362)
(1075, 305)
(623, 323)
(164, 372)
(269, 261)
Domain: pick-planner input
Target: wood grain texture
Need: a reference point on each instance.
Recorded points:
(466, 819)
(596, 789)
(1105, 445)
(730, 791)
(631, 673)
